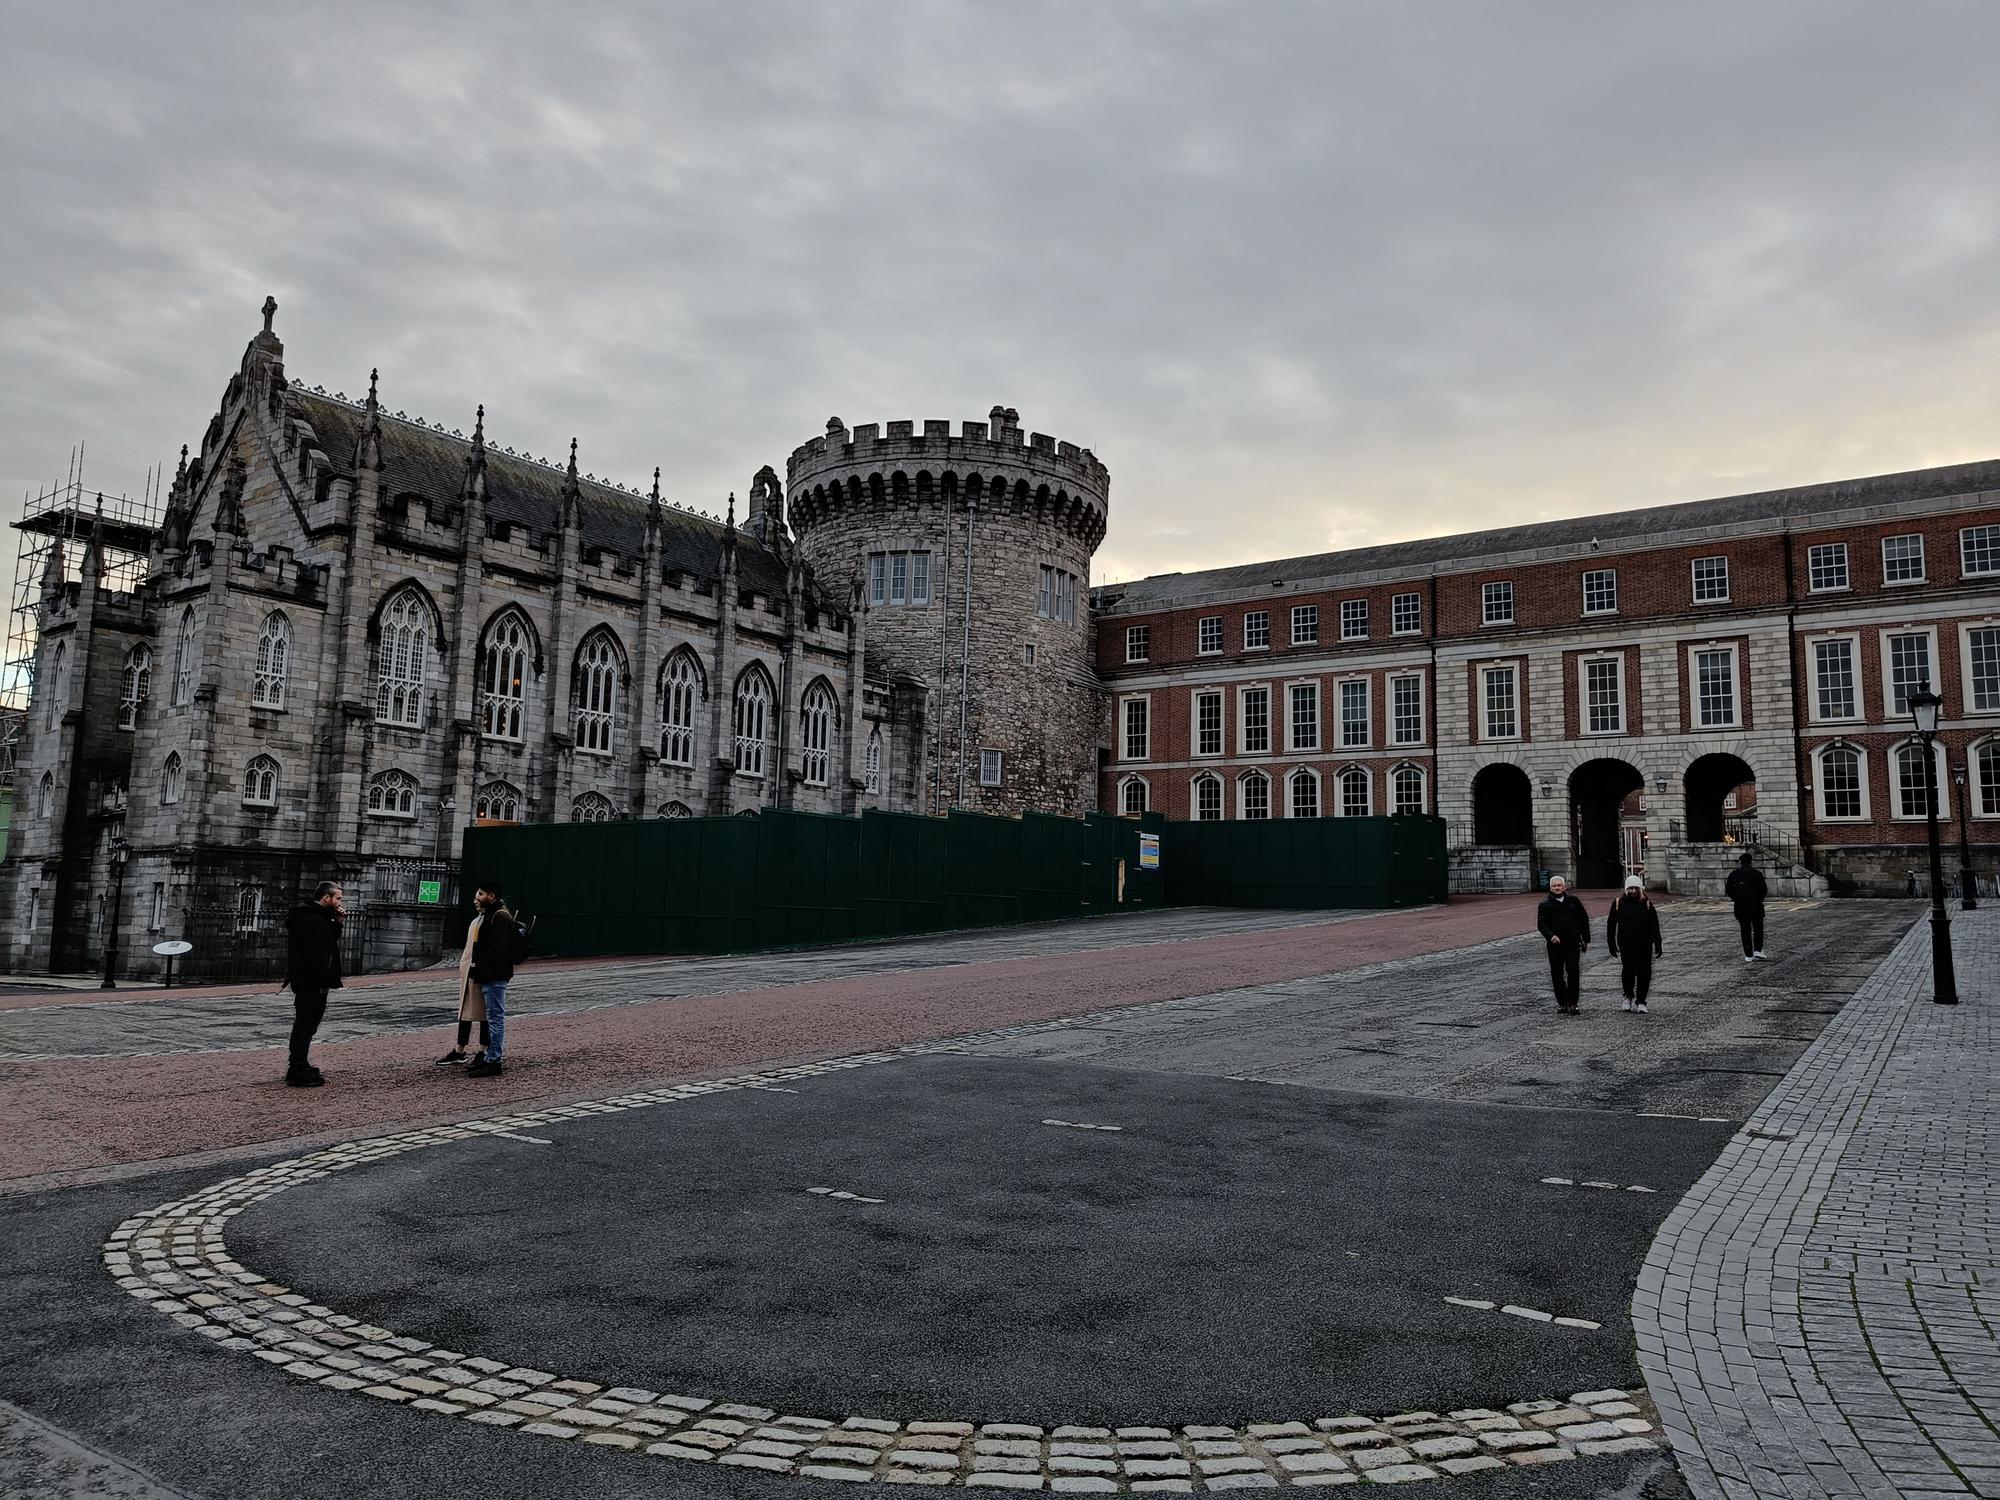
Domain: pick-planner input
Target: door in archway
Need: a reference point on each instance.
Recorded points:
(1502, 806)
(1597, 789)
(1709, 783)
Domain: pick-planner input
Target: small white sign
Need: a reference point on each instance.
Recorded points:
(173, 948)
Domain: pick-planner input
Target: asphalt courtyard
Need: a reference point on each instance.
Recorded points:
(1199, 1174)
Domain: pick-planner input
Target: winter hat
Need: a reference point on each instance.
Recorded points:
(1634, 883)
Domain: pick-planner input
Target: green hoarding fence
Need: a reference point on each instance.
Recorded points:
(793, 879)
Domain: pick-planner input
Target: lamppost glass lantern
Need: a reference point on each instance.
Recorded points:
(1924, 706)
(1924, 709)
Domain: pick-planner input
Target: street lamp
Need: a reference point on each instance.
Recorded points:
(1924, 706)
(1968, 883)
(120, 851)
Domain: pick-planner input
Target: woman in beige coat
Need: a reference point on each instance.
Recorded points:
(471, 1002)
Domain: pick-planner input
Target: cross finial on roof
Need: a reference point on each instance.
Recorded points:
(373, 376)
(270, 311)
(479, 427)
(656, 487)
(572, 458)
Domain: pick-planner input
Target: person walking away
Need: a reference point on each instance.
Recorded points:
(1746, 890)
(471, 1002)
(1632, 933)
(496, 947)
(312, 969)
(1565, 926)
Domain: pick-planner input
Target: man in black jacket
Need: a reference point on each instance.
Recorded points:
(1565, 925)
(1632, 933)
(312, 968)
(492, 968)
(1745, 889)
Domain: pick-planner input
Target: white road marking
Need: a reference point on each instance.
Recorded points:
(843, 1195)
(1569, 1182)
(532, 1140)
(1652, 1114)
(1532, 1314)
(1079, 1125)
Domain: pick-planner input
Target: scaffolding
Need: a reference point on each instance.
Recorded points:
(63, 516)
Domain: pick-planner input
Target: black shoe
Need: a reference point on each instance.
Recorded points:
(483, 1068)
(450, 1058)
(304, 1078)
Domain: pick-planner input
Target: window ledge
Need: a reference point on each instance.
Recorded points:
(1831, 588)
(1903, 583)
(1495, 624)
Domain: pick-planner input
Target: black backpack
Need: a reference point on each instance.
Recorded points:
(518, 942)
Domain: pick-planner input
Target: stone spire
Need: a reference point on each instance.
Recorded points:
(368, 449)
(474, 489)
(654, 513)
(570, 491)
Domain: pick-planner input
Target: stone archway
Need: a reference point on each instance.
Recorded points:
(1597, 793)
(1709, 782)
(1502, 806)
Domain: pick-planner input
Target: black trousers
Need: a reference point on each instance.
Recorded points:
(1635, 974)
(308, 1010)
(1751, 925)
(1565, 973)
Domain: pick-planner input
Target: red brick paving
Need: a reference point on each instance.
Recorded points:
(72, 1118)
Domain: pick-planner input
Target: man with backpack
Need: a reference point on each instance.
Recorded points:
(1746, 891)
(498, 944)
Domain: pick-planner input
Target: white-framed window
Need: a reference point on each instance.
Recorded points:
(1304, 716)
(920, 578)
(1132, 795)
(1406, 614)
(1208, 722)
(1908, 658)
(1714, 672)
(173, 780)
(274, 661)
(1257, 630)
(1354, 619)
(1500, 700)
(1303, 793)
(683, 687)
(676, 810)
(1208, 635)
(58, 684)
(1057, 597)
(1207, 798)
(1984, 759)
(1980, 653)
(1354, 729)
(402, 657)
(45, 799)
(1138, 720)
(752, 722)
(594, 693)
(1826, 568)
(1840, 783)
(1138, 642)
(1979, 551)
(1406, 710)
(1305, 624)
(1836, 680)
(503, 680)
(186, 659)
(900, 577)
(1357, 793)
(1600, 591)
(872, 772)
(1253, 797)
(878, 578)
(260, 782)
(1408, 782)
(158, 923)
(135, 685)
(1603, 695)
(392, 794)
(1027, 653)
(1903, 558)
(1496, 604)
(249, 908)
(992, 766)
(817, 717)
(1254, 732)
(1908, 785)
(592, 807)
(497, 802)
(1711, 580)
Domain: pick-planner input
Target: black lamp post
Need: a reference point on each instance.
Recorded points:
(1968, 883)
(120, 850)
(1924, 706)
(445, 809)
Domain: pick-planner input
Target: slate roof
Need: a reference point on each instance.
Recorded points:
(1416, 558)
(421, 461)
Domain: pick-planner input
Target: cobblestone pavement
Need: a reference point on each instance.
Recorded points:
(1818, 1316)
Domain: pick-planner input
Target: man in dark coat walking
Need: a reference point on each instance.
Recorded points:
(1745, 889)
(1565, 927)
(1632, 933)
(312, 968)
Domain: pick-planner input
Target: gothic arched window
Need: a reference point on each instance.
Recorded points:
(45, 798)
(392, 794)
(498, 802)
(135, 686)
(676, 810)
(260, 782)
(817, 716)
(594, 693)
(591, 807)
(185, 650)
(58, 693)
(274, 661)
(503, 684)
(753, 722)
(402, 656)
(172, 779)
(874, 763)
(681, 690)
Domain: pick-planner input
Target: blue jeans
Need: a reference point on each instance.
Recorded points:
(496, 1018)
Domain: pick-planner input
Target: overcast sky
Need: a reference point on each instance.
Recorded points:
(1304, 276)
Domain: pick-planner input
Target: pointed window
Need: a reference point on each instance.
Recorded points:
(676, 810)
(816, 722)
(497, 802)
(249, 908)
(45, 798)
(260, 782)
(503, 691)
(58, 683)
(591, 807)
(135, 686)
(753, 722)
(184, 660)
(274, 661)
(594, 693)
(874, 764)
(682, 689)
(173, 780)
(392, 794)
(402, 656)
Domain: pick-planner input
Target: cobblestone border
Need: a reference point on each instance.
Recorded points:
(175, 1259)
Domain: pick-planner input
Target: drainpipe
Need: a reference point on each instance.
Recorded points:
(1800, 771)
(965, 646)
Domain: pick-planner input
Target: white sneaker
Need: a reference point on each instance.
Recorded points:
(1748, 959)
(1626, 1006)
(1761, 954)
(1639, 1006)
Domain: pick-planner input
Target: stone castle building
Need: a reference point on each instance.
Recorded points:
(356, 632)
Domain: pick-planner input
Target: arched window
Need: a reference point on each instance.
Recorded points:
(594, 693)
(1985, 759)
(682, 688)
(1253, 794)
(503, 682)
(274, 661)
(1912, 791)
(1409, 783)
(498, 802)
(591, 807)
(135, 686)
(45, 798)
(676, 810)
(1208, 799)
(249, 908)
(1841, 783)
(1132, 796)
(1305, 793)
(817, 716)
(58, 694)
(392, 794)
(172, 779)
(260, 782)
(753, 722)
(185, 651)
(1357, 793)
(874, 761)
(402, 656)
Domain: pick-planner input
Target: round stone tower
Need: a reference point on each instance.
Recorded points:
(972, 554)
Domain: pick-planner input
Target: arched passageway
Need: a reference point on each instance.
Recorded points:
(1502, 806)
(1710, 783)
(1598, 790)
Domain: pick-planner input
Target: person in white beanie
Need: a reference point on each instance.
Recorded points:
(1632, 933)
